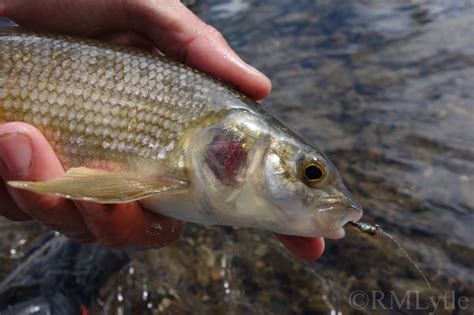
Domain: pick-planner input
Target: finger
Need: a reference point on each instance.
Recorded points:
(174, 29)
(128, 225)
(79, 17)
(130, 38)
(26, 155)
(180, 34)
(8, 207)
(307, 248)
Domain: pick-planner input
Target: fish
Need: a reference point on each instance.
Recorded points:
(131, 125)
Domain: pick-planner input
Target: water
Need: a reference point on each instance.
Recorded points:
(373, 229)
(386, 88)
(397, 243)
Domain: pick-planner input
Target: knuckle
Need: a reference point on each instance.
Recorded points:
(214, 32)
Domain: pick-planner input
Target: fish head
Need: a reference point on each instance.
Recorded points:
(305, 186)
(252, 171)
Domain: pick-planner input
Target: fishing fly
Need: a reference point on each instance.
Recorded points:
(366, 227)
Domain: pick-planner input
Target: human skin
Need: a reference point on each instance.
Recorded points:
(166, 26)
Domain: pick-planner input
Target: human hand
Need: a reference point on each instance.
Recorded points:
(162, 25)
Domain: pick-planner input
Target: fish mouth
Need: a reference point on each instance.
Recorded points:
(335, 234)
(332, 219)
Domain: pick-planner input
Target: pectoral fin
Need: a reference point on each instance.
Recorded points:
(99, 186)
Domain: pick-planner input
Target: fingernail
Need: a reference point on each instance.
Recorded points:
(15, 153)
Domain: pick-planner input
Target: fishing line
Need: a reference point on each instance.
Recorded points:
(407, 256)
(373, 229)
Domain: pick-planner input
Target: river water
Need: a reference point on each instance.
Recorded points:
(386, 88)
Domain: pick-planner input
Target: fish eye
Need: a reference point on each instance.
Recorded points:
(313, 172)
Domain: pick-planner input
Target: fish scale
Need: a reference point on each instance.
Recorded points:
(94, 100)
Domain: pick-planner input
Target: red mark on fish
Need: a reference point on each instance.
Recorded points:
(226, 155)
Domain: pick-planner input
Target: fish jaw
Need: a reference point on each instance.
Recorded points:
(332, 219)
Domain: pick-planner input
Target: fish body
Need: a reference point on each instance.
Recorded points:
(131, 125)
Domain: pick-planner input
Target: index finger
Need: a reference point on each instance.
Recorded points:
(174, 29)
(181, 35)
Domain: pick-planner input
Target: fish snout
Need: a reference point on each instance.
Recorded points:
(333, 217)
(353, 208)
(355, 212)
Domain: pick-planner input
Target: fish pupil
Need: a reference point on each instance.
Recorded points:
(312, 172)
